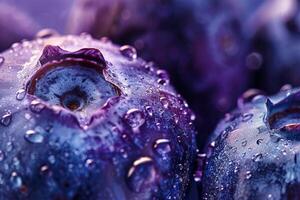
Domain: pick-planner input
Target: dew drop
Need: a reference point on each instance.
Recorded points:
(197, 177)
(36, 106)
(257, 157)
(259, 141)
(246, 117)
(162, 147)
(9, 146)
(46, 33)
(254, 61)
(20, 95)
(129, 52)
(163, 77)
(248, 175)
(212, 144)
(141, 175)
(89, 163)
(149, 110)
(149, 66)
(135, 118)
(201, 160)
(51, 159)
(33, 136)
(6, 119)
(236, 169)
(193, 117)
(16, 180)
(1, 155)
(248, 96)
(1, 60)
(105, 40)
(44, 169)
(286, 87)
(164, 102)
(244, 143)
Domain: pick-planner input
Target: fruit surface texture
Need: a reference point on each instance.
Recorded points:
(86, 119)
(256, 151)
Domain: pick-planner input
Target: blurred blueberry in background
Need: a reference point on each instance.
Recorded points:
(15, 25)
(199, 43)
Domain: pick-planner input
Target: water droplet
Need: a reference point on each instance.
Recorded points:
(1, 155)
(236, 169)
(149, 66)
(259, 141)
(46, 33)
(248, 175)
(259, 98)
(15, 46)
(128, 52)
(105, 40)
(246, 117)
(33, 136)
(248, 96)
(197, 177)
(51, 159)
(162, 147)
(286, 87)
(284, 152)
(254, 61)
(164, 102)
(135, 118)
(89, 163)
(244, 143)
(149, 110)
(163, 77)
(201, 159)
(6, 119)
(36, 106)
(9, 146)
(20, 95)
(27, 116)
(16, 180)
(44, 169)
(193, 117)
(141, 175)
(257, 157)
(1, 60)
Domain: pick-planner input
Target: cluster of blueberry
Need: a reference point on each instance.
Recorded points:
(90, 105)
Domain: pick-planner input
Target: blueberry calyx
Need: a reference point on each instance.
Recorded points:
(73, 81)
(284, 117)
(55, 53)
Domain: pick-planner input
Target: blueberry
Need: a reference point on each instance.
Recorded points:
(14, 27)
(273, 28)
(47, 14)
(255, 151)
(199, 43)
(86, 119)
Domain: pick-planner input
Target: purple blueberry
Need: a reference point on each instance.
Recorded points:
(273, 28)
(15, 26)
(199, 43)
(47, 14)
(256, 152)
(86, 119)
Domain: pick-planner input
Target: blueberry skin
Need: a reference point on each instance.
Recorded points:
(15, 27)
(255, 152)
(86, 119)
(199, 43)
